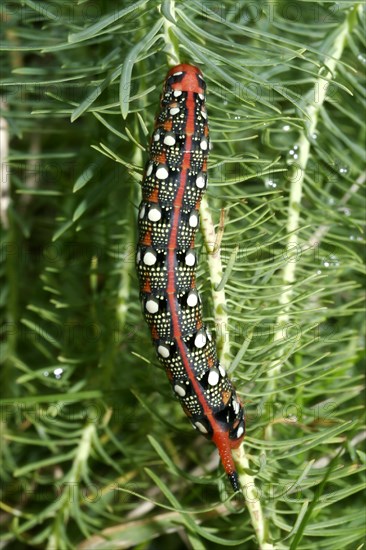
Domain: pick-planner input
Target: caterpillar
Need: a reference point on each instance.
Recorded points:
(174, 181)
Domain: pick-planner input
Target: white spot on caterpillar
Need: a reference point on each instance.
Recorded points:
(174, 111)
(204, 114)
(178, 73)
(177, 93)
(150, 257)
(149, 169)
(154, 214)
(162, 172)
(190, 258)
(200, 340)
(169, 140)
(152, 306)
(201, 428)
(213, 377)
(236, 406)
(200, 181)
(157, 135)
(192, 298)
(204, 144)
(240, 432)
(201, 96)
(138, 256)
(163, 351)
(179, 390)
(142, 211)
(222, 371)
(193, 219)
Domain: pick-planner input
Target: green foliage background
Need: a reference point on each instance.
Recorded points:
(95, 451)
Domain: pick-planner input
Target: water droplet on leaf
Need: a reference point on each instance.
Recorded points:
(270, 184)
(58, 372)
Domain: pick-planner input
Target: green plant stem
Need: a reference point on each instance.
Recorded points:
(216, 273)
(128, 266)
(14, 237)
(296, 189)
(71, 482)
(252, 497)
(11, 249)
(247, 481)
(167, 9)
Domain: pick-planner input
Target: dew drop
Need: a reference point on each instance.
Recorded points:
(314, 135)
(270, 184)
(319, 272)
(58, 372)
(286, 128)
(46, 373)
(351, 237)
(345, 210)
(293, 152)
(361, 58)
(343, 170)
(331, 261)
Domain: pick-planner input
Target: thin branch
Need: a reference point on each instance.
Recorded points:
(216, 273)
(65, 505)
(252, 497)
(4, 166)
(223, 348)
(294, 209)
(172, 48)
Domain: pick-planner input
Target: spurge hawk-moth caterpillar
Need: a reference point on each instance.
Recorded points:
(174, 181)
